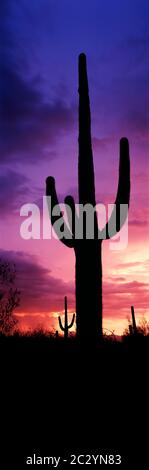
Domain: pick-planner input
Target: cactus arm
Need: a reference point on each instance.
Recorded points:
(60, 324)
(123, 193)
(72, 322)
(51, 191)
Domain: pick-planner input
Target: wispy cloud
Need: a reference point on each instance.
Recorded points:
(29, 125)
(40, 291)
(13, 189)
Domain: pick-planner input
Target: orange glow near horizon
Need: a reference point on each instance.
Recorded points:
(125, 283)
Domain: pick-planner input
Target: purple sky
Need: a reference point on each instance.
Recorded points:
(40, 42)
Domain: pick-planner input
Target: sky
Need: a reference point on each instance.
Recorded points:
(40, 41)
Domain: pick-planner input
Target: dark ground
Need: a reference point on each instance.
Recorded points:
(59, 399)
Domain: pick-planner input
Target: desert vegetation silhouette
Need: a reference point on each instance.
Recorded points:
(88, 267)
(9, 297)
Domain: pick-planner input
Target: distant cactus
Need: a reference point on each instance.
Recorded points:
(66, 327)
(56, 334)
(88, 251)
(134, 326)
(130, 330)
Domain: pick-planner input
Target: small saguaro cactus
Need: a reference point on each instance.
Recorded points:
(66, 326)
(134, 326)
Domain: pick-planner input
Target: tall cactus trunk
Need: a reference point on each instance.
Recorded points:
(88, 252)
(89, 290)
(85, 161)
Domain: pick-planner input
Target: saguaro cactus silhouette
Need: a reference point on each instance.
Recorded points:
(66, 327)
(134, 326)
(88, 251)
